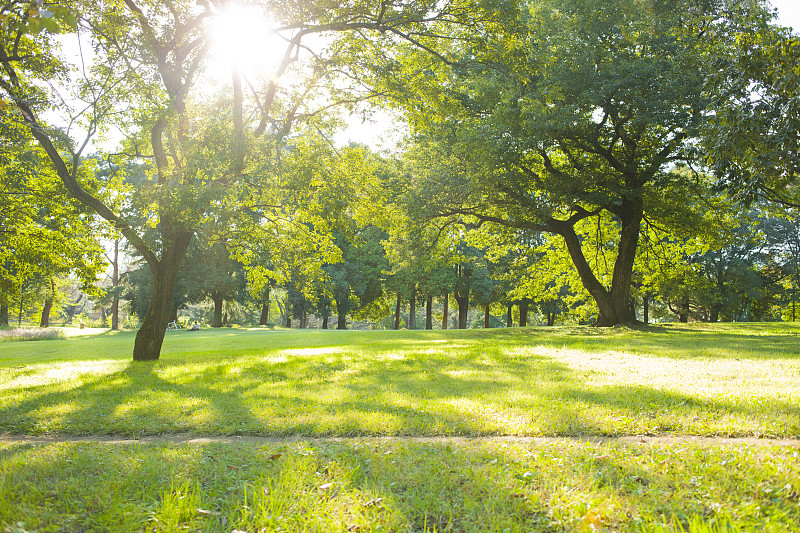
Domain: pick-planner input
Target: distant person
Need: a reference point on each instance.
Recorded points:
(195, 327)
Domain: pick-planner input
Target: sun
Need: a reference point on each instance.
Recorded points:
(243, 37)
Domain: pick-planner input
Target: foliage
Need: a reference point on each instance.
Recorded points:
(577, 110)
(752, 142)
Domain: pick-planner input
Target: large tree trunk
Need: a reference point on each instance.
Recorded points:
(397, 313)
(446, 311)
(509, 316)
(551, 318)
(48, 304)
(150, 336)
(523, 314)
(218, 300)
(429, 313)
(341, 322)
(486, 317)
(4, 315)
(613, 305)
(325, 321)
(115, 284)
(412, 311)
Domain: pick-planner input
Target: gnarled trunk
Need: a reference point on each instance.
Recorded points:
(614, 304)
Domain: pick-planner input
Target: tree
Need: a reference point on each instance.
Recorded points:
(149, 59)
(752, 143)
(579, 111)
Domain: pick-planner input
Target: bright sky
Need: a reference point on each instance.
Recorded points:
(788, 13)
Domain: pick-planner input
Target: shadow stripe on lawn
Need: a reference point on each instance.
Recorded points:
(194, 439)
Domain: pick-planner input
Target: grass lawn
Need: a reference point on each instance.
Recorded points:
(727, 380)
(730, 380)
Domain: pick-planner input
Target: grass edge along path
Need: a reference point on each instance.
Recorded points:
(7, 438)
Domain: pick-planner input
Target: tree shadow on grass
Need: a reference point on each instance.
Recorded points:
(391, 486)
(466, 387)
(330, 487)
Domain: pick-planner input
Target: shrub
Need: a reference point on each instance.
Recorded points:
(31, 334)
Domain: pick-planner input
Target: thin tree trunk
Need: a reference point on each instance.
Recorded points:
(21, 305)
(646, 309)
(397, 313)
(509, 315)
(48, 304)
(429, 313)
(412, 310)
(4, 315)
(288, 322)
(265, 309)
(486, 317)
(115, 284)
(446, 310)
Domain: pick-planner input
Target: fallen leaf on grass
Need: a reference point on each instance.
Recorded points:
(326, 486)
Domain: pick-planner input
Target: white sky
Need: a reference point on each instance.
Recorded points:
(788, 13)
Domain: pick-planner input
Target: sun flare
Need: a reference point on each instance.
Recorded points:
(242, 36)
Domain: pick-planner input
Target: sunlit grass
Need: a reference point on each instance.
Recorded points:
(731, 380)
(372, 486)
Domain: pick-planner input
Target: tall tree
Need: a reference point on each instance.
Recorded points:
(578, 111)
(145, 72)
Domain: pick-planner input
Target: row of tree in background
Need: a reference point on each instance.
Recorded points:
(405, 276)
(588, 161)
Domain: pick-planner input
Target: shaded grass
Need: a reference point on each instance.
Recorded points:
(398, 487)
(727, 380)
